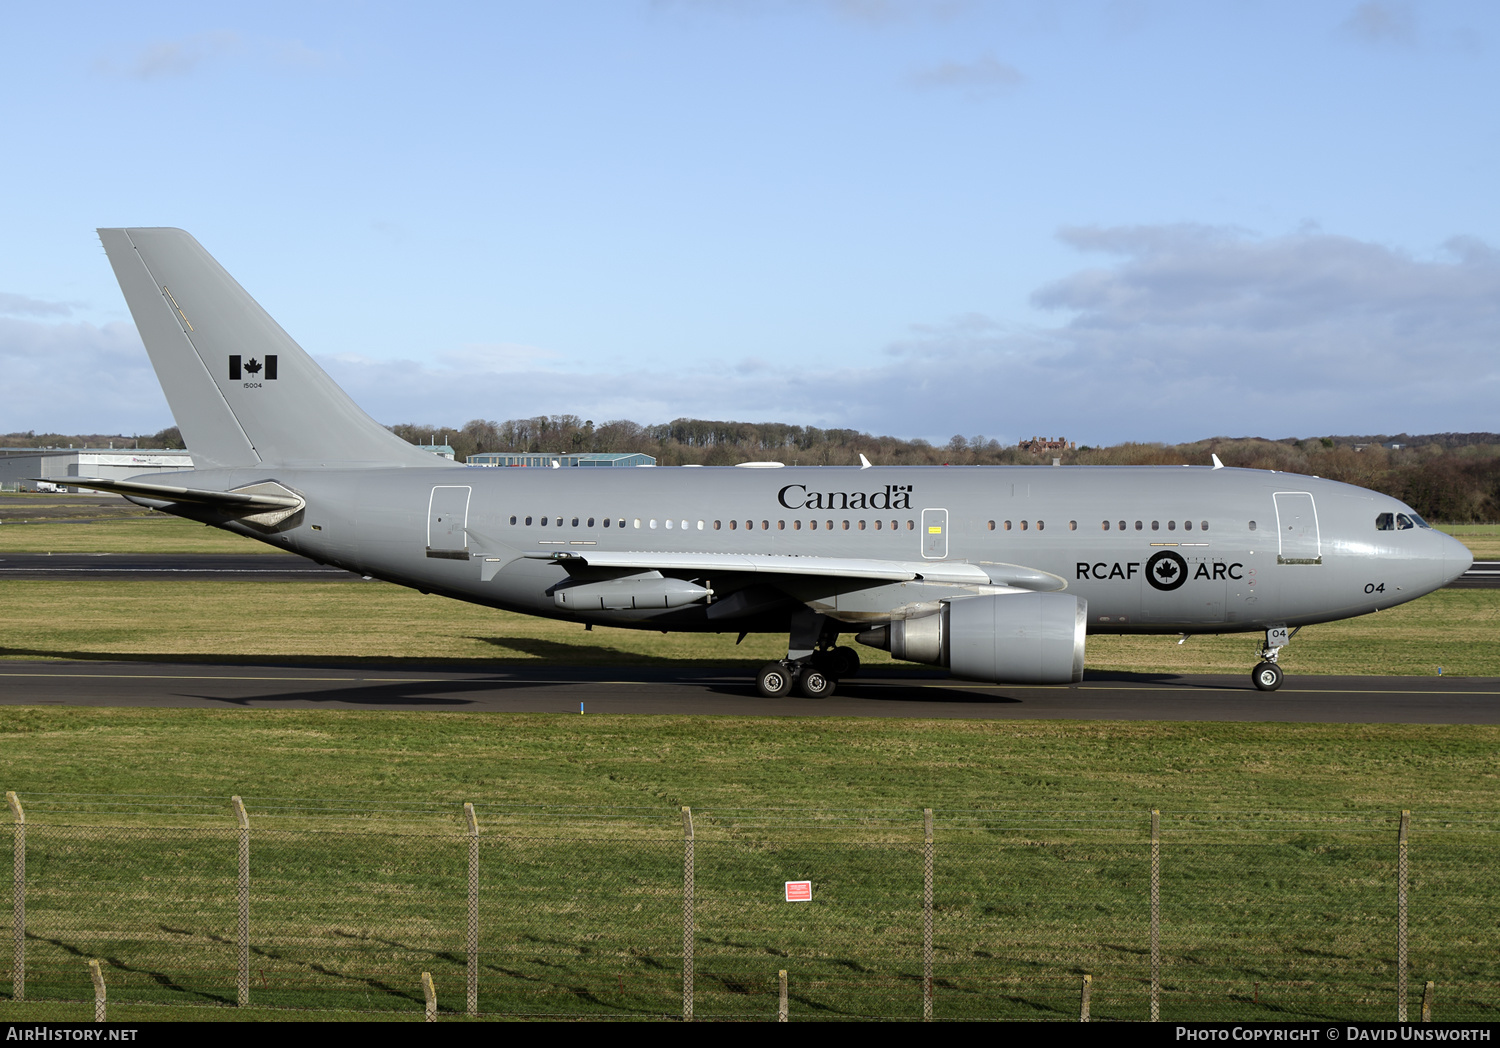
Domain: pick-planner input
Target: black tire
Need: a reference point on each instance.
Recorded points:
(813, 683)
(845, 662)
(1267, 676)
(773, 680)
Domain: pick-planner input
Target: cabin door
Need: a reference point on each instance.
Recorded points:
(1297, 525)
(448, 521)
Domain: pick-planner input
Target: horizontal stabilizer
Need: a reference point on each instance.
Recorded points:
(266, 504)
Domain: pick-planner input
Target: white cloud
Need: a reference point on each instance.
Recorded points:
(183, 56)
(983, 77)
(22, 305)
(1382, 22)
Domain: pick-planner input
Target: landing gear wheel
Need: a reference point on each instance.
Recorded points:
(845, 662)
(815, 684)
(773, 680)
(1267, 676)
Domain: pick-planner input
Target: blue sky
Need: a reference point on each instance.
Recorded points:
(1128, 220)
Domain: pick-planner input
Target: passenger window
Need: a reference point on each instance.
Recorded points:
(846, 525)
(1187, 525)
(796, 525)
(1122, 525)
(1007, 525)
(1137, 525)
(637, 521)
(700, 525)
(575, 522)
(765, 525)
(528, 522)
(1252, 525)
(862, 525)
(1072, 525)
(717, 525)
(781, 525)
(606, 522)
(1156, 525)
(513, 521)
(684, 525)
(1025, 525)
(1203, 525)
(1385, 522)
(1171, 525)
(622, 523)
(1104, 526)
(813, 525)
(877, 525)
(992, 525)
(733, 524)
(653, 523)
(911, 525)
(1041, 525)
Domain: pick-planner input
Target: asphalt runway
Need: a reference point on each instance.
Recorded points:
(266, 567)
(1102, 696)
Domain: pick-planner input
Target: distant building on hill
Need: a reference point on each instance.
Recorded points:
(1047, 444)
(589, 459)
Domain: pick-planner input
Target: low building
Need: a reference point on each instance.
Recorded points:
(589, 459)
(21, 468)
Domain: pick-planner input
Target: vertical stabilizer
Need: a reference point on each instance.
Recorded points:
(242, 391)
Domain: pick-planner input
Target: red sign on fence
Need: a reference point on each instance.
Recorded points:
(799, 891)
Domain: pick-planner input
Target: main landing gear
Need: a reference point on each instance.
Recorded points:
(813, 665)
(1267, 676)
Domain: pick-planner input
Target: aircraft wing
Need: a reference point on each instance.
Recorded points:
(961, 572)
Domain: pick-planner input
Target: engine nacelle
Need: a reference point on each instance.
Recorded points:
(1004, 638)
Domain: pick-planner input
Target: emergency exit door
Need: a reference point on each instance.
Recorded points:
(934, 534)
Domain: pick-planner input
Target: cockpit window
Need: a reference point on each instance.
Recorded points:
(1403, 522)
(1420, 522)
(1385, 522)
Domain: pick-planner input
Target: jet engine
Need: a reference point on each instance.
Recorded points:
(1004, 638)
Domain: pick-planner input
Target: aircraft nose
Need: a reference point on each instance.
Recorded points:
(1456, 558)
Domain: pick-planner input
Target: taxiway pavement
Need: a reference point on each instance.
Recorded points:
(1102, 696)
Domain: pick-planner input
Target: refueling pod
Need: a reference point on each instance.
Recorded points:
(1004, 638)
(646, 590)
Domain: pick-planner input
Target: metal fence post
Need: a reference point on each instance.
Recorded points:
(927, 915)
(98, 977)
(473, 937)
(1155, 915)
(243, 985)
(781, 1016)
(1401, 872)
(18, 901)
(687, 914)
(1427, 993)
(1083, 998)
(429, 995)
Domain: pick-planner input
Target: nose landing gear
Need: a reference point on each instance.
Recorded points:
(1267, 676)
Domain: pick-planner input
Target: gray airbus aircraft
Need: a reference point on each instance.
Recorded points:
(996, 572)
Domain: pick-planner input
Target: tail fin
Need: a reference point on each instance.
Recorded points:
(242, 391)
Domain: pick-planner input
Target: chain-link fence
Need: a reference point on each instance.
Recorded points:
(650, 913)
